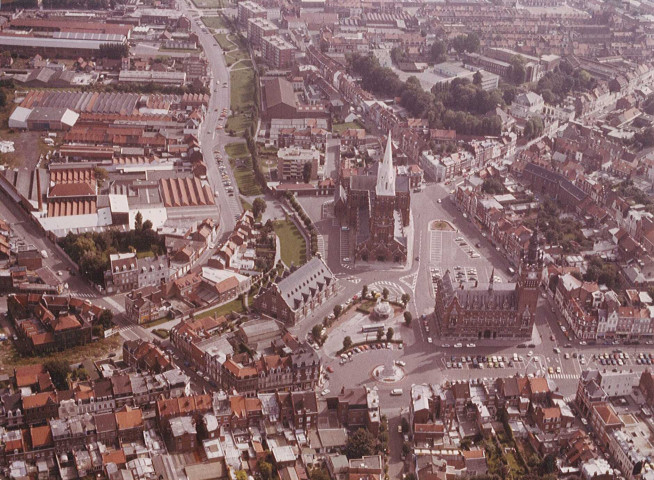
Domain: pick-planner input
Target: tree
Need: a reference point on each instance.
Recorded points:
(241, 475)
(493, 186)
(106, 318)
(385, 293)
(59, 371)
(138, 222)
(319, 474)
(408, 318)
(534, 127)
(389, 334)
(316, 332)
(265, 469)
(404, 423)
(347, 342)
(406, 449)
(101, 175)
(438, 51)
(258, 207)
(476, 78)
(361, 443)
(147, 225)
(380, 334)
(405, 298)
(364, 291)
(306, 172)
(337, 311)
(646, 137)
(548, 465)
(517, 72)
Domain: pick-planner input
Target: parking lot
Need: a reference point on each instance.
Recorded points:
(450, 250)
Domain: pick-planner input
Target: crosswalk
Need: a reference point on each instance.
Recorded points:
(83, 295)
(348, 278)
(436, 246)
(563, 376)
(321, 245)
(395, 290)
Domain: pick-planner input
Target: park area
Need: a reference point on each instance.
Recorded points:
(241, 163)
(292, 244)
(241, 99)
(215, 22)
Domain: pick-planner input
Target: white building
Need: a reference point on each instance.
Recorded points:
(527, 105)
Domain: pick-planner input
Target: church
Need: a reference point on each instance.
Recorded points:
(491, 310)
(375, 209)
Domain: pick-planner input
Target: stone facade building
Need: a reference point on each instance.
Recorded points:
(505, 310)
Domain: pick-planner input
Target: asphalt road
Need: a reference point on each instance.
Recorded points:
(212, 140)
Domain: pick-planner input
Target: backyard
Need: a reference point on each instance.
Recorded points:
(340, 127)
(293, 246)
(222, 310)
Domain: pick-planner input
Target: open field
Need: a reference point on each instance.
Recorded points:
(10, 358)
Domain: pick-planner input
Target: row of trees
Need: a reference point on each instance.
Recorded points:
(308, 223)
(460, 105)
(115, 51)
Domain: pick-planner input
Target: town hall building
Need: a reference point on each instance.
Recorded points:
(490, 310)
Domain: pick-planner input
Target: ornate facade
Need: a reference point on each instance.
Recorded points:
(506, 310)
(377, 211)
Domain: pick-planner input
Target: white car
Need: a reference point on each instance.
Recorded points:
(401, 363)
(325, 392)
(430, 340)
(471, 345)
(530, 353)
(458, 345)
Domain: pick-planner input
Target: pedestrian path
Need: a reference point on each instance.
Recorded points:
(345, 250)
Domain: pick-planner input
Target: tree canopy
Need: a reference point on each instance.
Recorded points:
(361, 443)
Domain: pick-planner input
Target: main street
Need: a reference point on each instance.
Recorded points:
(212, 140)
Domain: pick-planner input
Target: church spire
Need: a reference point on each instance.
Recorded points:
(490, 283)
(386, 172)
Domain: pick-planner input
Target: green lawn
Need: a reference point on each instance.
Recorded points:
(215, 22)
(233, 306)
(245, 204)
(293, 247)
(239, 159)
(211, 3)
(247, 185)
(340, 127)
(224, 42)
(237, 150)
(232, 57)
(242, 91)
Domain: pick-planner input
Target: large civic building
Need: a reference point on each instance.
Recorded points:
(491, 310)
(377, 210)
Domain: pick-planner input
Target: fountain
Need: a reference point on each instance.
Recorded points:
(382, 310)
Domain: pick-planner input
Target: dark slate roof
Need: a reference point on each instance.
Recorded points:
(363, 182)
(305, 282)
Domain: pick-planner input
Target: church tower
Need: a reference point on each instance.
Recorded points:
(528, 280)
(382, 222)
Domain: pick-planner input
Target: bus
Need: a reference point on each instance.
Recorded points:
(372, 328)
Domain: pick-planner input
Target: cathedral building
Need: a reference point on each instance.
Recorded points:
(491, 310)
(376, 209)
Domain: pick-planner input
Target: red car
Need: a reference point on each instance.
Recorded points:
(330, 369)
